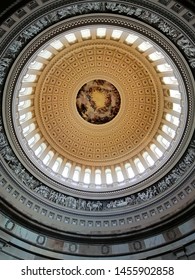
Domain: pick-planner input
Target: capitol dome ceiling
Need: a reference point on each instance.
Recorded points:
(98, 115)
(100, 106)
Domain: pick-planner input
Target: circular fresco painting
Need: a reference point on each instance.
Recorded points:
(98, 102)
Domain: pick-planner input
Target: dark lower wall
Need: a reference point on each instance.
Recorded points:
(20, 242)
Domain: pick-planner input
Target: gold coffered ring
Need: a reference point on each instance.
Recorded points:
(52, 119)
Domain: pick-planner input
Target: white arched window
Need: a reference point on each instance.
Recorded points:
(45, 54)
(164, 67)
(131, 38)
(144, 46)
(148, 159)
(25, 117)
(101, 32)
(24, 104)
(119, 174)
(66, 170)
(25, 91)
(71, 38)
(155, 56)
(170, 80)
(108, 173)
(139, 165)
(129, 169)
(76, 174)
(29, 78)
(86, 33)
(34, 140)
(177, 107)
(57, 164)
(28, 129)
(172, 119)
(156, 150)
(87, 176)
(48, 157)
(57, 44)
(116, 34)
(98, 177)
(175, 93)
(169, 131)
(163, 141)
(40, 149)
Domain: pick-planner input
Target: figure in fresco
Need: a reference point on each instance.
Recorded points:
(98, 102)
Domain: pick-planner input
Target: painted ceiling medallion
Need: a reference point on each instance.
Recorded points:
(98, 102)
